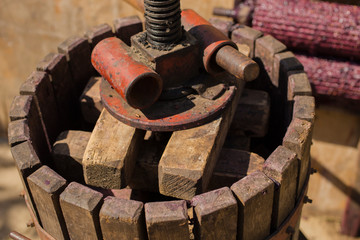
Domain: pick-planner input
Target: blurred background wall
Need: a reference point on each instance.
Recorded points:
(30, 29)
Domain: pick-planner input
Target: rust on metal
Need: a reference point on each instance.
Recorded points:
(134, 81)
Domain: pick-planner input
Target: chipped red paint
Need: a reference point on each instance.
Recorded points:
(112, 59)
(210, 38)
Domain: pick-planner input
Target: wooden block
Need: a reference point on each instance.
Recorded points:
(98, 33)
(145, 175)
(190, 156)
(304, 108)
(121, 218)
(283, 63)
(265, 48)
(56, 66)
(223, 25)
(127, 27)
(167, 220)
(238, 142)
(80, 206)
(244, 49)
(39, 86)
(282, 167)
(46, 186)
(110, 155)
(90, 101)
(68, 152)
(252, 114)
(234, 165)
(24, 107)
(78, 55)
(246, 35)
(18, 132)
(216, 215)
(298, 139)
(27, 162)
(255, 194)
(298, 85)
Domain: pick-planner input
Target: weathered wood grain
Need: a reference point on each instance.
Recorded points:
(90, 101)
(24, 107)
(190, 156)
(122, 219)
(56, 66)
(282, 167)
(283, 63)
(216, 214)
(298, 139)
(167, 220)
(78, 54)
(234, 165)
(98, 33)
(265, 48)
(246, 35)
(27, 162)
(68, 152)
(126, 27)
(46, 186)
(110, 155)
(145, 175)
(38, 85)
(18, 132)
(255, 194)
(304, 108)
(298, 85)
(80, 206)
(252, 114)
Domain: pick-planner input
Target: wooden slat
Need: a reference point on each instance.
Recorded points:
(298, 139)
(46, 186)
(24, 107)
(304, 108)
(126, 27)
(18, 132)
(282, 167)
(252, 114)
(246, 35)
(110, 155)
(68, 152)
(145, 175)
(265, 48)
(283, 63)
(122, 219)
(90, 101)
(39, 86)
(234, 165)
(27, 162)
(98, 33)
(80, 206)
(190, 156)
(167, 220)
(78, 54)
(298, 85)
(56, 66)
(255, 194)
(216, 214)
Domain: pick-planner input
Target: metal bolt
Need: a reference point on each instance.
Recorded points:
(163, 21)
(307, 200)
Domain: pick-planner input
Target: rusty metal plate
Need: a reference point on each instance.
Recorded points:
(169, 115)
